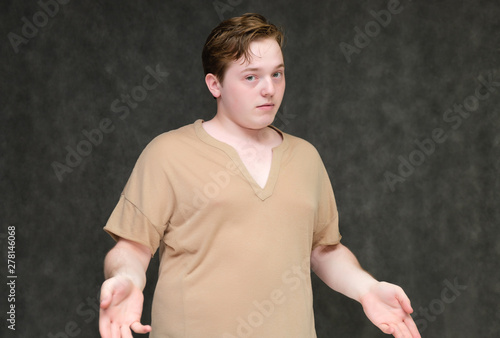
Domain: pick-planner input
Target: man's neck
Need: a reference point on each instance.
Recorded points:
(229, 132)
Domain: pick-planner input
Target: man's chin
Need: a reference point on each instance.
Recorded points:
(264, 122)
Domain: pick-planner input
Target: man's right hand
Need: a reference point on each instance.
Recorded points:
(121, 309)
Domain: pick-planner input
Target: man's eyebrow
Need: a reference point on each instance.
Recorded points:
(253, 69)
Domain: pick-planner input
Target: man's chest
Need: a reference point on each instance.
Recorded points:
(258, 163)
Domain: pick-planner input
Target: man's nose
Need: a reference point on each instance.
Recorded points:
(268, 88)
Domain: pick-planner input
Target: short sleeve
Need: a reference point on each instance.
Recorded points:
(326, 230)
(145, 205)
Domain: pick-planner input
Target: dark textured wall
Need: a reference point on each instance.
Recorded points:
(406, 119)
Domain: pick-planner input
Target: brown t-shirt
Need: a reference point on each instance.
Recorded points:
(234, 257)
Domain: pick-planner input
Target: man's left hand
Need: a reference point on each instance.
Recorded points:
(388, 307)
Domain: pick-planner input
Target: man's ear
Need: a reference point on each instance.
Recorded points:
(213, 84)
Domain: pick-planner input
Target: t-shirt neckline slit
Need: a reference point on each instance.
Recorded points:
(277, 153)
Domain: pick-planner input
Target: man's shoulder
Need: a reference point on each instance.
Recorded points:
(172, 141)
(177, 135)
(300, 143)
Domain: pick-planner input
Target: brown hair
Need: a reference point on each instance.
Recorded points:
(231, 39)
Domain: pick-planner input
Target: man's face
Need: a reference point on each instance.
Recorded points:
(252, 91)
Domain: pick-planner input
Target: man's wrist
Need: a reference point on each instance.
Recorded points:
(366, 286)
(127, 277)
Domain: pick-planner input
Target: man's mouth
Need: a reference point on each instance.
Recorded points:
(266, 105)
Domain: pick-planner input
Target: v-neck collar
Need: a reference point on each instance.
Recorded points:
(262, 193)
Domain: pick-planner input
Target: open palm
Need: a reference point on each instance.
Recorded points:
(388, 307)
(121, 309)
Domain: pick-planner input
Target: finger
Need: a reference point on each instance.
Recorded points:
(403, 331)
(105, 302)
(106, 293)
(396, 332)
(104, 325)
(386, 329)
(105, 299)
(125, 332)
(405, 301)
(115, 330)
(139, 328)
(410, 324)
(113, 292)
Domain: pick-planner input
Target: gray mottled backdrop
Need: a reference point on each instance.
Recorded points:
(400, 98)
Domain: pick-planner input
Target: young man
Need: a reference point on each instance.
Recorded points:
(240, 212)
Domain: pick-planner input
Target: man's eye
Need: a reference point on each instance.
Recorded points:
(250, 78)
(277, 74)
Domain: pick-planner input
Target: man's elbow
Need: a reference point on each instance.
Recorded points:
(321, 250)
(322, 253)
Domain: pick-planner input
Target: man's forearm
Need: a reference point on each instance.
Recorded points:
(340, 270)
(128, 260)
